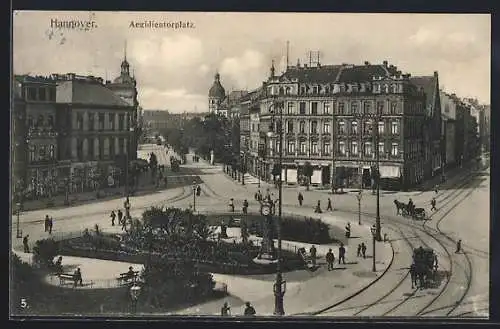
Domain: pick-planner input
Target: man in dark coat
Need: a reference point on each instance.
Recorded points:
(342, 253)
(330, 259)
(300, 197)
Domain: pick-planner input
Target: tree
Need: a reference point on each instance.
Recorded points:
(308, 172)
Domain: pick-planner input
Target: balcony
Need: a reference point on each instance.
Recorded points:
(44, 132)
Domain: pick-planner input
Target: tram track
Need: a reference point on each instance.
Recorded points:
(449, 197)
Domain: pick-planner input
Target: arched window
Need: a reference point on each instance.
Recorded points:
(39, 121)
(282, 91)
(50, 121)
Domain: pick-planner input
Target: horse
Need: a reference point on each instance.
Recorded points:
(402, 208)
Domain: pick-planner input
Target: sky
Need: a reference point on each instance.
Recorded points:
(175, 65)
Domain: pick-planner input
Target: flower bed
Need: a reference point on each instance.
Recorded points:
(229, 258)
(293, 228)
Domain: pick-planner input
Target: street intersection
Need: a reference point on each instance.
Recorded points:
(463, 213)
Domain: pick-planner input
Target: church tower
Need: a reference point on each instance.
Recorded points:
(216, 95)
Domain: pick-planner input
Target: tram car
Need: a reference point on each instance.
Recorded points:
(424, 260)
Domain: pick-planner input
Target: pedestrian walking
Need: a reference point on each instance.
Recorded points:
(120, 216)
(330, 259)
(413, 276)
(433, 204)
(51, 224)
(25, 243)
(318, 208)
(198, 190)
(329, 206)
(348, 230)
(363, 249)
(113, 216)
(436, 189)
(225, 310)
(124, 224)
(459, 246)
(300, 197)
(245, 206)
(46, 223)
(358, 253)
(231, 205)
(77, 276)
(249, 310)
(312, 251)
(342, 253)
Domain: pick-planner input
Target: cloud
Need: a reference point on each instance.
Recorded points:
(168, 52)
(444, 45)
(244, 71)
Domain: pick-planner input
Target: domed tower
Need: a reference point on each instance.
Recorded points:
(216, 95)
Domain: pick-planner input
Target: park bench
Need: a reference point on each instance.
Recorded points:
(125, 277)
(66, 277)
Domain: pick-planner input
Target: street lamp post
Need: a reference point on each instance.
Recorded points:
(375, 130)
(373, 229)
(135, 291)
(280, 284)
(19, 234)
(359, 196)
(194, 195)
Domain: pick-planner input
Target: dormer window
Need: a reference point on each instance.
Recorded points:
(281, 91)
(302, 90)
(315, 90)
(386, 88)
(327, 89)
(287, 90)
(394, 88)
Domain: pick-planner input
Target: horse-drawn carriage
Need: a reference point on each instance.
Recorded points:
(409, 210)
(424, 266)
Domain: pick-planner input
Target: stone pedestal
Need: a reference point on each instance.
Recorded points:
(267, 250)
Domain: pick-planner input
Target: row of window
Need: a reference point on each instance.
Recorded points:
(42, 94)
(41, 152)
(368, 150)
(100, 149)
(367, 127)
(342, 148)
(338, 88)
(346, 108)
(341, 127)
(40, 121)
(100, 122)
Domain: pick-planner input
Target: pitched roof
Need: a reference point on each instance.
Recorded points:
(322, 74)
(85, 92)
(360, 73)
(428, 84)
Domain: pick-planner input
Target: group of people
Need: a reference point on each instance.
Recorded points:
(249, 310)
(122, 218)
(317, 209)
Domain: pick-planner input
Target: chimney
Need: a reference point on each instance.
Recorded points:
(305, 65)
(367, 63)
(385, 63)
(435, 73)
(70, 76)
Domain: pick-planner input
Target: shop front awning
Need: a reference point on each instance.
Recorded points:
(390, 171)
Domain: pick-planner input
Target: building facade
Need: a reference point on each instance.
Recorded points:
(329, 116)
(449, 108)
(96, 131)
(18, 134)
(38, 173)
